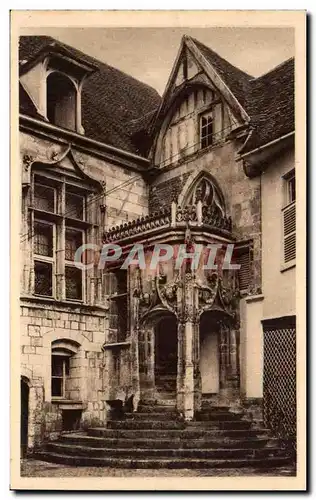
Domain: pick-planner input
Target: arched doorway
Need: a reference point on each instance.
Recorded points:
(166, 357)
(24, 415)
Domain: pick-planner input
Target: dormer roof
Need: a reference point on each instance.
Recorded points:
(112, 101)
(265, 104)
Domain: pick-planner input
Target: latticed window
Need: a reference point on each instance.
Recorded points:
(43, 239)
(73, 280)
(43, 278)
(206, 130)
(44, 261)
(73, 241)
(289, 221)
(74, 205)
(44, 197)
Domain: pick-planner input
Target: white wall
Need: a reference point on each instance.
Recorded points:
(278, 287)
(209, 364)
(251, 347)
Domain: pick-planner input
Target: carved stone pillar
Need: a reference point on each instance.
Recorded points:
(146, 362)
(188, 379)
(233, 353)
(223, 357)
(188, 399)
(180, 367)
(197, 371)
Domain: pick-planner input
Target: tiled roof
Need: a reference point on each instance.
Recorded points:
(112, 101)
(27, 107)
(270, 104)
(125, 107)
(235, 79)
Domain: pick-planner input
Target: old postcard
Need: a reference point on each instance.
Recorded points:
(158, 250)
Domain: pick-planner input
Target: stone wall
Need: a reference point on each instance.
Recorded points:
(87, 383)
(242, 195)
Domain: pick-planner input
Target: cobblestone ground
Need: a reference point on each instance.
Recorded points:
(37, 468)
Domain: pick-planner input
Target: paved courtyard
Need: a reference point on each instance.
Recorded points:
(37, 468)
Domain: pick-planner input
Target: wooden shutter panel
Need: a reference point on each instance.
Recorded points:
(244, 273)
(289, 228)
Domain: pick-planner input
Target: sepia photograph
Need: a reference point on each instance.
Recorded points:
(158, 206)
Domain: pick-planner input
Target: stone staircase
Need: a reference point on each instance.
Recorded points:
(155, 437)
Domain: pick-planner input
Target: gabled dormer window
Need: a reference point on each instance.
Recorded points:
(61, 95)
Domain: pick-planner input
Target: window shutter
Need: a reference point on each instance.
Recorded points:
(289, 228)
(244, 273)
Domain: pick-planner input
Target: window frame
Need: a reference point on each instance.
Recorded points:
(70, 263)
(209, 113)
(66, 358)
(288, 204)
(44, 258)
(61, 220)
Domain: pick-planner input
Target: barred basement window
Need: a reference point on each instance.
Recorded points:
(289, 221)
(206, 130)
(244, 273)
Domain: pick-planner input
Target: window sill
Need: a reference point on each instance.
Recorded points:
(287, 266)
(116, 345)
(68, 404)
(40, 299)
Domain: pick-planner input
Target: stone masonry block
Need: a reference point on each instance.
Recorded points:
(37, 341)
(33, 331)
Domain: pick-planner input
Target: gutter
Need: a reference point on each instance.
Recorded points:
(75, 137)
(267, 145)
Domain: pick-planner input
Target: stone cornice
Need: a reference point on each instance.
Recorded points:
(84, 144)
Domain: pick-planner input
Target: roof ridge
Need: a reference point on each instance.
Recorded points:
(283, 63)
(196, 41)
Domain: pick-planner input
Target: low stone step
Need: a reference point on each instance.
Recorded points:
(173, 433)
(221, 453)
(205, 416)
(145, 424)
(202, 442)
(158, 463)
(155, 408)
(167, 415)
(220, 424)
(136, 423)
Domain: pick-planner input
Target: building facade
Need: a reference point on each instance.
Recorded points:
(106, 161)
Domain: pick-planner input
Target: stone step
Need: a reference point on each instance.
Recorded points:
(175, 433)
(217, 415)
(155, 408)
(145, 424)
(101, 442)
(167, 415)
(219, 453)
(176, 424)
(165, 463)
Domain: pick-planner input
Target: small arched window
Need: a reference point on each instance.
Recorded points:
(62, 352)
(61, 101)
